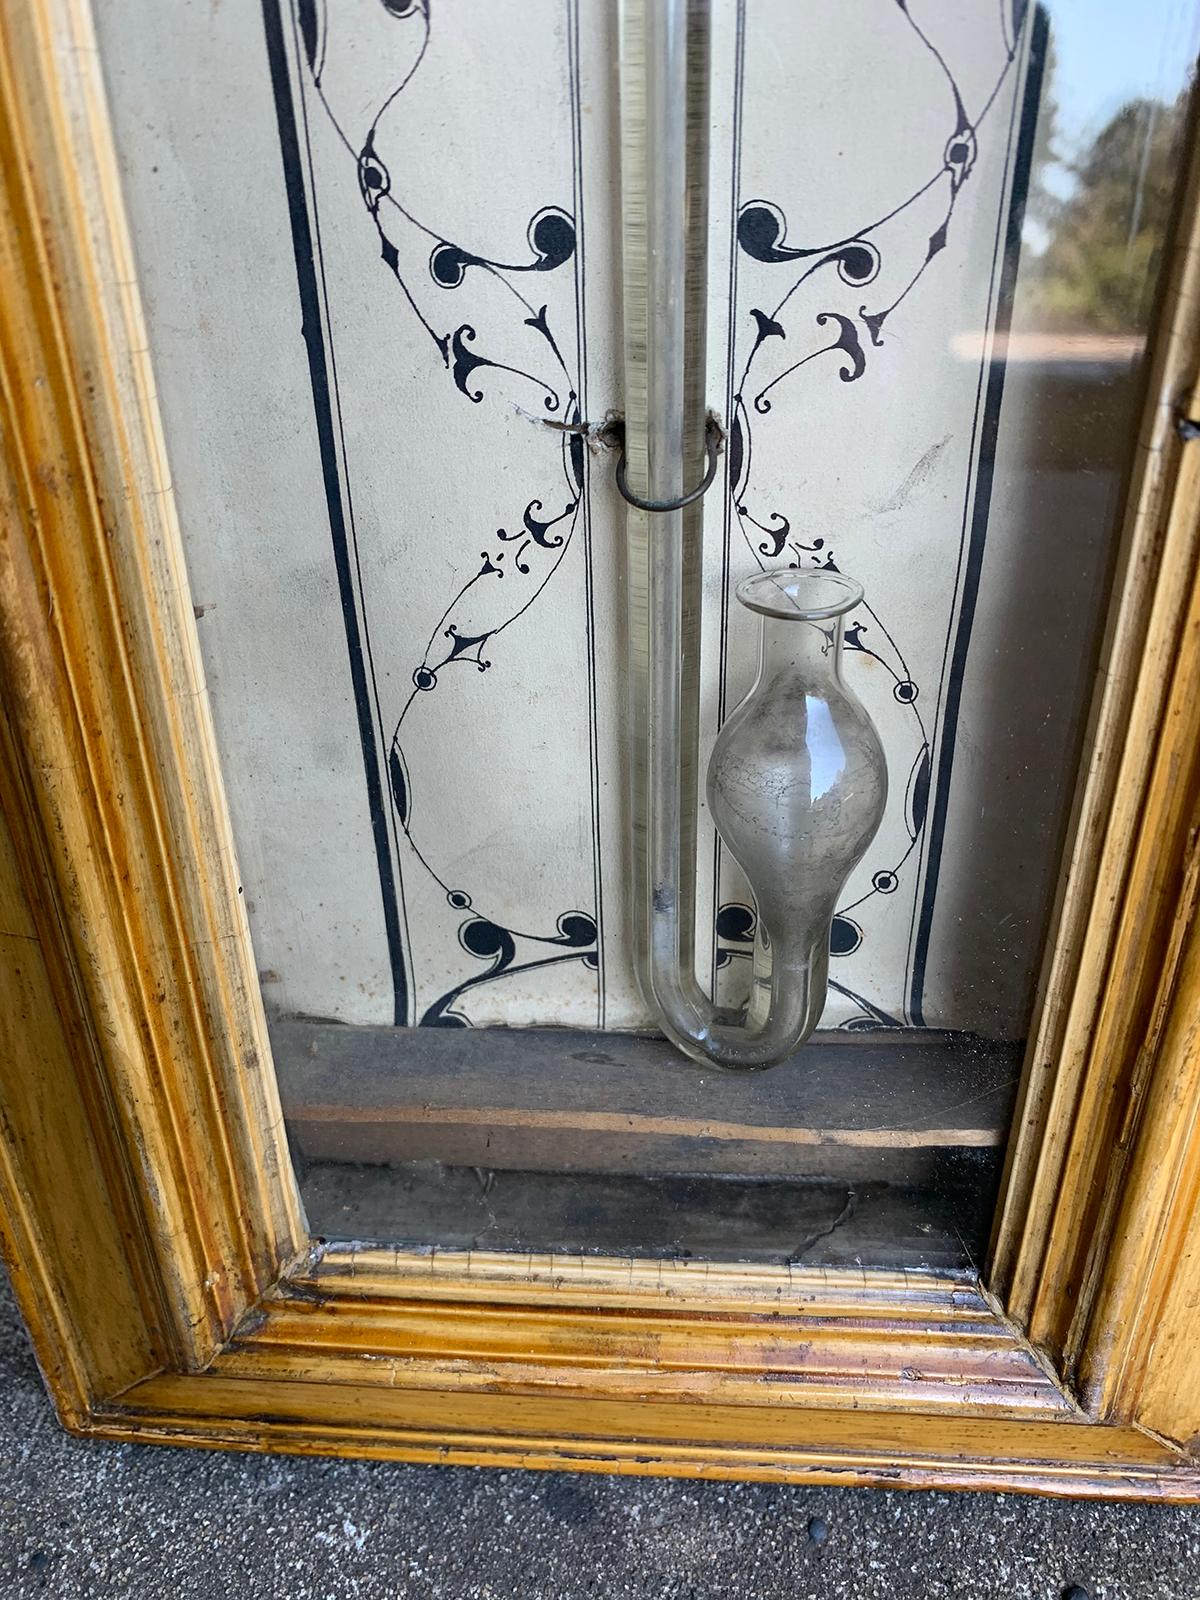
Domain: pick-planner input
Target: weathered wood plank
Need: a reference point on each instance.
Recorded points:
(866, 1108)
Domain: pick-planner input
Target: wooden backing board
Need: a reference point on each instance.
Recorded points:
(873, 1108)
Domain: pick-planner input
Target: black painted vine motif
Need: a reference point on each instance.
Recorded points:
(431, 271)
(486, 361)
(848, 332)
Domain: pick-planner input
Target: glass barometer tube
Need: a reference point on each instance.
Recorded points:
(797, 780)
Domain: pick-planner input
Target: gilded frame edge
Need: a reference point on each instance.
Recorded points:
(1125, 893)
(104, 694)
(214, 1322)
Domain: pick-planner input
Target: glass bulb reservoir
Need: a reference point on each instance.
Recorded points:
(796, 786)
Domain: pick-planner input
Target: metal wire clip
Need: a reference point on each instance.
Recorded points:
(713, 435)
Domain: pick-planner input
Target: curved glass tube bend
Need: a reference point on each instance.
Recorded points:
(797, 780)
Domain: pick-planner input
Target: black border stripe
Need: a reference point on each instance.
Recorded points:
(314, 339)
(585, 527)
(981, 508)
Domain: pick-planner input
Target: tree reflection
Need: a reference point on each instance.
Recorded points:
(1105, 234)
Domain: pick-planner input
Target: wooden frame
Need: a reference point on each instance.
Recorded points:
(150, 1218)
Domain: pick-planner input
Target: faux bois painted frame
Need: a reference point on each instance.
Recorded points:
(150, 1218)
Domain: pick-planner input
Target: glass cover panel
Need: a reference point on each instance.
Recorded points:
(387, 278)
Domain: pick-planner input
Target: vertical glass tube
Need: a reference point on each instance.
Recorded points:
(667, 977)
(666, 60)
(664, 449)
(663, 245)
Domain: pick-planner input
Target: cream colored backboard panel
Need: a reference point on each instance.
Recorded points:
(378, 242)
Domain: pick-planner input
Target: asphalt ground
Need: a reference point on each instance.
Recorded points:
(82, 1518)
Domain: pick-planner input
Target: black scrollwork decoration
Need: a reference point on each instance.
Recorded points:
(851, 266)
(434, 272)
